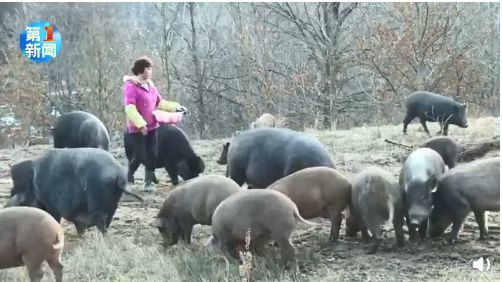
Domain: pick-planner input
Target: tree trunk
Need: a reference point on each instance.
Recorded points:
(198, 74)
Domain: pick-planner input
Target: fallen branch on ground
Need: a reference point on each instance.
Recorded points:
(407, 147)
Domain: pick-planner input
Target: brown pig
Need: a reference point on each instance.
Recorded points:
(446, 147)
(474, 186)
(376, 199)
(192, 202)
(265, 120)
(266, 213)
(29, 236)
(317, 192)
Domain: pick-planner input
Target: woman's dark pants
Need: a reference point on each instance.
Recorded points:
(145, 152)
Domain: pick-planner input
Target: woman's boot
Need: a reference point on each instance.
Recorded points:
(149, 183)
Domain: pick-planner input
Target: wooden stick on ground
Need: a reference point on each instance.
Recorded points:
(407, 147)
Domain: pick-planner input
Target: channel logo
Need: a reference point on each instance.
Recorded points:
(40, 42)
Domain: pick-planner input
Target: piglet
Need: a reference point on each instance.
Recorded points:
(29, 236)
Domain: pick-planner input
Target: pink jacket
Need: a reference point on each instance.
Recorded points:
(145, 100)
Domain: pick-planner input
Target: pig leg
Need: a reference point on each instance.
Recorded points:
(80, 229)
(288, 252)
(237, 175)
(186, 230)
(258, 245)
(412, 233)
(350, 227)
(34, 267)
(458, 220)
(364, 233)
(481, 220)
(109, 219)
(376, 238)
(422, 230)
(132, 167)
(445, 129)
(409, 117)
(150, 177)
(173, 173)
(226, 245)
(441, 126)
(424, 125)
(233, 248)
(352, 224)
(398, 230)
(154, 178)
(99, 220)
(57, 268)
(336, 221)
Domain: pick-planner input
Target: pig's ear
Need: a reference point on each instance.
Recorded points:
(434, 196)
(431, 182)
(226, 145)
(200, 164)
(157, 223)
(16, 200)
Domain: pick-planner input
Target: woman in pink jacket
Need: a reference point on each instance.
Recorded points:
(141, 98)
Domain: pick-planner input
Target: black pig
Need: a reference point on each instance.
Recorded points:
(418, 179)
(81, 185)
(260, 156)
(428, 106)
(174, 153)
(469, 187)
(78, 129)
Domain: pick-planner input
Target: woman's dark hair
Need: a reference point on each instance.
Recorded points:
(141, 64)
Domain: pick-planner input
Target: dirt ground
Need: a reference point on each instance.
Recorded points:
(347, 260)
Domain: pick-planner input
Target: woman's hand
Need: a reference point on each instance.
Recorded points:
(182, 109)
(144, 131)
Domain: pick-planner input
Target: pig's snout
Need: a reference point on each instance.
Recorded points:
(415, 223)
(418, 214)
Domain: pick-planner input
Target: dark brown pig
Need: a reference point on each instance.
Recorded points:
(268, 214)
(224, 154)
(376, 199)
(446, 147)
(192, 202)
(317, 192)
(469, 187)
(418, 179)
(30, 236)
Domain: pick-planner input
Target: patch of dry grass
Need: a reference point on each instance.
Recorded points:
(132, 252)
(98, 258)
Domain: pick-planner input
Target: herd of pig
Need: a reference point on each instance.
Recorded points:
(290, 175)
